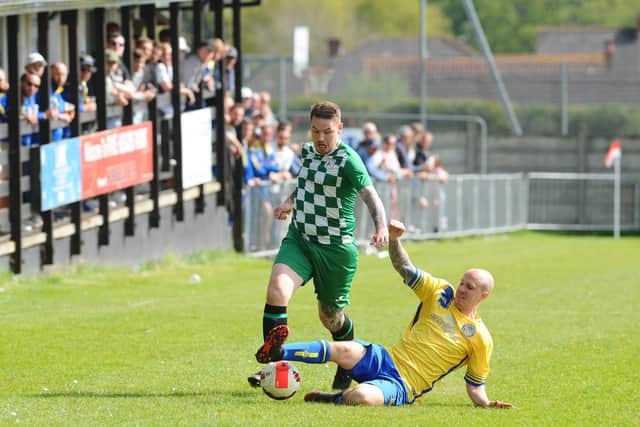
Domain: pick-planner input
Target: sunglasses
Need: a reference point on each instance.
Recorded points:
(28, 83)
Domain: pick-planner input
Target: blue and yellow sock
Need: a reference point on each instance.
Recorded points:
(307, 352)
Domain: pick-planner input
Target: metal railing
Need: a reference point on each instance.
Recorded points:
(465, 205)
(468, 205)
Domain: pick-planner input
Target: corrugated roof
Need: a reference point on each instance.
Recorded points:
(22, 7)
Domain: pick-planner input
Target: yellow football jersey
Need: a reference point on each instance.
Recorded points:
(440, 339)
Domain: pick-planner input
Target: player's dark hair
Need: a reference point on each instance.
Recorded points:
(325, 110)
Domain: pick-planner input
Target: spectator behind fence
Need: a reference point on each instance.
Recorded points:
(391, 163)
(195, 68)
(262, 170)
(265, 109)
(375, 161)
(423, 162)
(247, 101)
(66, 110)
(406, 146)
(284, 156)
(112, 28)
(164, 76)
(434, 199)
(116, 43)
(369, 146)
(369, 130)
(145, 90)
(248, 135)
(35, 64)
(230, 60)
(118, 93)
(4, 88)
(87, 68)
(234, 119)
(30, 112)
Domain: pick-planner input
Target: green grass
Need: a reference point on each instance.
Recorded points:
(115, 346)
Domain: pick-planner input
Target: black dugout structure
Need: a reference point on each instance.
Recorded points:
(157, 217)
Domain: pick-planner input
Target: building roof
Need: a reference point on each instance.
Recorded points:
(23, 7)
(573, 39)
(440, 46)
(549, 64)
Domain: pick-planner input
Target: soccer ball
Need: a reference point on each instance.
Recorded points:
(280, 380)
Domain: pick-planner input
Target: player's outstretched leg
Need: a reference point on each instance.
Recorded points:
(276, 337)
(323, 397)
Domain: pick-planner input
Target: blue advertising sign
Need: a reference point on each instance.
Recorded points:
(61, 173)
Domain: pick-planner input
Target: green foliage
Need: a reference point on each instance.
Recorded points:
(112, 346)
(511, 25)
(269, 28)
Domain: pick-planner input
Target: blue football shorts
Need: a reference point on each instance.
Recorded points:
(377, 368)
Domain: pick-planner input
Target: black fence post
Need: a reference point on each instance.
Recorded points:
(70, 19)
(44, 94)
(237, 179)
(101, 114)
(221, 152)
(15, 163)
(175, 101)
(127, 115)
(200, 203)
(148, 13)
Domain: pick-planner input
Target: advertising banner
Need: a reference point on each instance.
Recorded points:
(60, 173)
(116, 159)
(196, 147)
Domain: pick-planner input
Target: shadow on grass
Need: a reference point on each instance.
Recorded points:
(142, 395)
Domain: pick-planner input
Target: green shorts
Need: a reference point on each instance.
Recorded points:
(332, 267)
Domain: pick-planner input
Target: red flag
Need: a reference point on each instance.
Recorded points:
(614, 152)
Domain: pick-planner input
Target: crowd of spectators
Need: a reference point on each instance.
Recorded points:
(151, 74)
(264, 145)
(407, 154)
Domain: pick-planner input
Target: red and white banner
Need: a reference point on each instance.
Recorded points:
(117, 158)
(614, 152)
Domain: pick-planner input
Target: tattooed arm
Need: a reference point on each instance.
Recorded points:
(376, 210)
(399, 257)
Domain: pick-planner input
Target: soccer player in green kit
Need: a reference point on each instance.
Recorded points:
(320, 243)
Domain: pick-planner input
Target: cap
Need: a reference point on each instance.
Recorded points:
(374, 143)
(232, 52)
(208, 44)
(111, 55)
(35, 57)
(246, 92)
(88, 60)
(182, 44)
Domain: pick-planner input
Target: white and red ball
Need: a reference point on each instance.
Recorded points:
(280, 380)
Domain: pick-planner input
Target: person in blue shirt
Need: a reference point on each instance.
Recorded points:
(4, 88)
(30, 111)
(66, 110)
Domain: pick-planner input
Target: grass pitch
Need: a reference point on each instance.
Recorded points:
(150, 346)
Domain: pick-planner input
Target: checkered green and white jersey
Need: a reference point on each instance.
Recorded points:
(324, 203)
